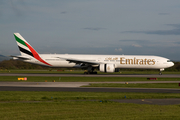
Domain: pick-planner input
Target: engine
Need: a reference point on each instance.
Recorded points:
(110, 68)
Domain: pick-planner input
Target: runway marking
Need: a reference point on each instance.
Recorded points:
(147, 101)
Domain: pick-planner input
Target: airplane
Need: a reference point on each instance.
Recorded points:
(104, 63)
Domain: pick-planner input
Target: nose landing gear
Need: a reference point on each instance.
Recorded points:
(160, 71)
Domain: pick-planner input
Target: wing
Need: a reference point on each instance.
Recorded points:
(77, 61)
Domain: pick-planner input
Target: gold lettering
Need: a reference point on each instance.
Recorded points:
(134, 60)
(137, 60)
(129, 61)
(141, 62)
(145, 60)
(153, 60)
(108, 68)
(110, 58)
(121, 60)
(148, 61)
(115, 58)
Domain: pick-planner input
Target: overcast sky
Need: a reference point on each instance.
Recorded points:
(129, 27)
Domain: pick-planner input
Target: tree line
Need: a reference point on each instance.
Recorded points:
(15, 64)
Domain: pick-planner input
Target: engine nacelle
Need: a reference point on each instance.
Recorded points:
(110, 68)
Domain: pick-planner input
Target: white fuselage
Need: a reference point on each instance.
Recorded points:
(105, 63)
(119, 61)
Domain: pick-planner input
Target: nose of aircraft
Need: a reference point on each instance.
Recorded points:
(171, 64)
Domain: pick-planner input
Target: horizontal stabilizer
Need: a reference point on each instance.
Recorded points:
(21, 57)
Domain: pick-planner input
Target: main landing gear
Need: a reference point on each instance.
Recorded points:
(90, 71)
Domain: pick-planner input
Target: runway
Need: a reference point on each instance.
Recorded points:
(75, 89)
(75, 86)
(95, 75)
(72, 84)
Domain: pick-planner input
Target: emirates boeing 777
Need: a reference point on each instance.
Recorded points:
(104, 63)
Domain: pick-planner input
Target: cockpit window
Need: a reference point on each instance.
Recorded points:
(168, 60)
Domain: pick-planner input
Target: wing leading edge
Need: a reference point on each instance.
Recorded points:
(77, 61)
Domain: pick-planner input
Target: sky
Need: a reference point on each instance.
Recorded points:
(113, 27)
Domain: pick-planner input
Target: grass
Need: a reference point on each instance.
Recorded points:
(87, 110)
(138, 85)
(83, 105)
(49, 71)
(43, 71)
(80, 79)
(61, 96)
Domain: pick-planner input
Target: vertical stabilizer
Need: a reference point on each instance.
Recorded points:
(26, 49)
(23, 45)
